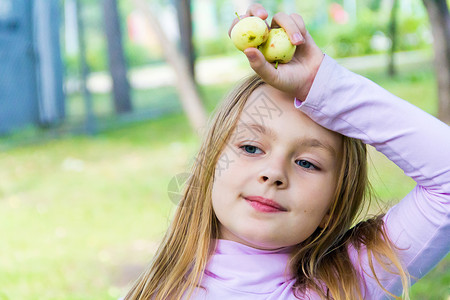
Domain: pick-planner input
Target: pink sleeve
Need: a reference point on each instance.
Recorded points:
(415, 141)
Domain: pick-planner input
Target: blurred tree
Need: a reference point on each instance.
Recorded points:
(393, 36)
(185, 25)
(90, 122)
(374, 5)
(190, 100)
(440, 27)
(116, 57)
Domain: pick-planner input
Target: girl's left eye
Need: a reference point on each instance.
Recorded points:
(306, 164)
(251, 149)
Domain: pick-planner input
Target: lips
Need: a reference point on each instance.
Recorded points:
(264, 204)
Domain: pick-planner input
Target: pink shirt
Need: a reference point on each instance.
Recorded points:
(414, 140)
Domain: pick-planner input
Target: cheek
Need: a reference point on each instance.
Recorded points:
(324, 190)
(222, 201)
(216, 191)
(315, 198)
(224, 187)
(229, 169)
(224, 165)
(229, 182)
(218, 203)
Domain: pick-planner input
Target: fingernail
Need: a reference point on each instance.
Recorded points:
(297, 38)
(261, 12)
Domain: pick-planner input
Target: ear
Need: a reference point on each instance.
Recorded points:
(324, 220)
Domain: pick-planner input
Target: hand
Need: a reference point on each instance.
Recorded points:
(297, 76)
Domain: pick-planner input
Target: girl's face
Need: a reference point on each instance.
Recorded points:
(275, 179)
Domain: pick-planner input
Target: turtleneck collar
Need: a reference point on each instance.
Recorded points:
(248, 269)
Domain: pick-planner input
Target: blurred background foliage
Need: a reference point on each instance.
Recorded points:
(365, 34)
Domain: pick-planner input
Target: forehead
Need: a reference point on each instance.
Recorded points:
(264, 103)
(274, 111)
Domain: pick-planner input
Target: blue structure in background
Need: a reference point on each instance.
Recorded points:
(31, 72)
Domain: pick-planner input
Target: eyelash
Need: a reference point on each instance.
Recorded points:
(310, 165)
(245, 149)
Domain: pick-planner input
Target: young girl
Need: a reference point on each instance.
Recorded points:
(270, 209)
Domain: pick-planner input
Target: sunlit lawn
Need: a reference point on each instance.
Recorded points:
(80, 217)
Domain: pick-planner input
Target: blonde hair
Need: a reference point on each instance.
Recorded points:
(320, 261)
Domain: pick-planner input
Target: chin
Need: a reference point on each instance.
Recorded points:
(264, 243)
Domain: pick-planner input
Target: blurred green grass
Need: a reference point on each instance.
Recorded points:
(81, 216)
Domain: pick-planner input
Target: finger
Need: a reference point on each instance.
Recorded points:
(293, 27)
(260, 65)
(258, 10)
(300, 24)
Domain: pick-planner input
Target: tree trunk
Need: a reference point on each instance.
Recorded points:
(393, 37)
(116, 57)
(185, 27)
(90, 121)
(189, 97)
(440, 27)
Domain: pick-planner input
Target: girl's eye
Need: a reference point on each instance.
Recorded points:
(306, 164)
(251, 149)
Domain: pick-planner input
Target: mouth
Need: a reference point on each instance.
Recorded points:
(263, 204)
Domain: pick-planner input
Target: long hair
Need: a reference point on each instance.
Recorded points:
(320, 261)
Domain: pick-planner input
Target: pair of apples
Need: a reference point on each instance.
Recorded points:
(274, 44)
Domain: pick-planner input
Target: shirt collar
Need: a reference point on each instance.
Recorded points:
(248, 269)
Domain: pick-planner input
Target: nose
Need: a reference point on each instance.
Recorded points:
(273, 176)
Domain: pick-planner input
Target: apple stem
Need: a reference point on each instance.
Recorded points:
(276, 65)
(237, 15)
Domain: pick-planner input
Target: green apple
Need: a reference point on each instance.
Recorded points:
(249, 32)
(278, 47)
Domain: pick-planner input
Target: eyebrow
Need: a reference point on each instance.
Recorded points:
(315, 143)
(261, 129)
(303, 142)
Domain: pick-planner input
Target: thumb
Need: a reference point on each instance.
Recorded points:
(260, 65)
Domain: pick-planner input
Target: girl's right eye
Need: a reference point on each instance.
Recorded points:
(251, 149)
